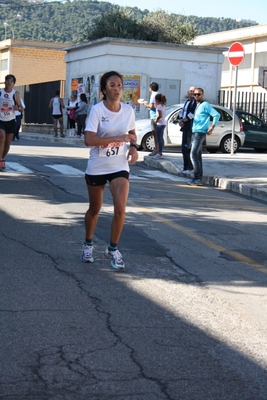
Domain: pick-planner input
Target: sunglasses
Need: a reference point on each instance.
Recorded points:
(198, 94)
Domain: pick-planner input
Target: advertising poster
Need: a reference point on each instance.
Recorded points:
(74, 87)
(80, 87)
(131, 92)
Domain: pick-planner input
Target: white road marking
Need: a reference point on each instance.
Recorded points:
(66, 169)
(13, 166)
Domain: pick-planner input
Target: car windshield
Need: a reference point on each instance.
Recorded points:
(249, 119)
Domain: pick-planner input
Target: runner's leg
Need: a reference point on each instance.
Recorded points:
(119, 188)
(95, 202)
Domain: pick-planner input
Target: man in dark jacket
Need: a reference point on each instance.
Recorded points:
(186, 127)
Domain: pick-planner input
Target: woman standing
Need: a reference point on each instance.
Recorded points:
(110, 126)
(160, 121)
(71, 111)
(82, 114)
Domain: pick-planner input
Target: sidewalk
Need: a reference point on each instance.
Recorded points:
(242, 173)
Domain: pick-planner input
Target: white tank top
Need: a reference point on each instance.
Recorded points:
(56, 106)
(7, 112)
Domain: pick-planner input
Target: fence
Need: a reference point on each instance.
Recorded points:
(36, 98)
(254, 103)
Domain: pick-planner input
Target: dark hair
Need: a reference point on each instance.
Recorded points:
(104, 79)
(154, 86)
(57, 92)
(83, 97)
(199, 88)
(10, 76)
(161, 98)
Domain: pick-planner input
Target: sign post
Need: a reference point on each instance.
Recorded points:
(236, 55)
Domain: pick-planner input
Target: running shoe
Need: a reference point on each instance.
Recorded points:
(116, 259)
(87, 255)
(2, 165)
(153, 153)
(158, 156)
(55, 135)
(62, 135)
(195, 182)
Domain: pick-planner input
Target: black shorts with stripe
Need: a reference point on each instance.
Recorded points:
(99, 180)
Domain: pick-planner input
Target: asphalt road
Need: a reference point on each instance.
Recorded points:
(188, 318)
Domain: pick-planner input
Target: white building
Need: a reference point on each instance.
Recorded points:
(252, 72)
(175, 67)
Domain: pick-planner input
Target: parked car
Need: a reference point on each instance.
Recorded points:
(220, 139)
(255, 130)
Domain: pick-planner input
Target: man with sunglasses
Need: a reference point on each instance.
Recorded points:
(9, 103)
(201, 128)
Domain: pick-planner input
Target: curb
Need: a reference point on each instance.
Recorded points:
(235, 185)
(238, 186)
(51, 138)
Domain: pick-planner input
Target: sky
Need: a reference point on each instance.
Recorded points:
(238, 9)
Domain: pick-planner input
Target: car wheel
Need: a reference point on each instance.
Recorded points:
(226, 143)
(148, 142)
(260, 150)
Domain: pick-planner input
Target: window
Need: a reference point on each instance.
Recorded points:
(4, 64)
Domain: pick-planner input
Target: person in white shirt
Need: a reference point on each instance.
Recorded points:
(109, 128)
(9, 103)
(19, 115)
(72, 105)
(57, 105)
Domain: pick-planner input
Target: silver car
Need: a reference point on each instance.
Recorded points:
(220, 139)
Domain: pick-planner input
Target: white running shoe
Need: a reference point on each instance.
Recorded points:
(158, 157)
(116, 259)
(87, 255)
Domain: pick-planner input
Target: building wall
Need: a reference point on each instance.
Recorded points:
(37, 65)
(254, 41)
(32, 61)
(187, 65)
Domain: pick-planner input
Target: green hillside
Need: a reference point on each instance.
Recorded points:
(69, 21)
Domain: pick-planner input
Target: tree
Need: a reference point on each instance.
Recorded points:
(163, 27)
(114, 23)
(157, 26)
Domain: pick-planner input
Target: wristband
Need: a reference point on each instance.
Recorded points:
(134, 145)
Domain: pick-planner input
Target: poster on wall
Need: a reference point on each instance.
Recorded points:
(74, 87)
(131, 91)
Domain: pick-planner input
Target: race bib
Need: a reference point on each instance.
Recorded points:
(111, 149)
(6, 110)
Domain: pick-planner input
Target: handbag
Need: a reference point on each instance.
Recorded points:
(72, 113)
(76, 115)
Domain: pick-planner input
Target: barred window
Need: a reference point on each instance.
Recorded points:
(4, 64)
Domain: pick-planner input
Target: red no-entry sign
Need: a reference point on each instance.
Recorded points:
(236, 54)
